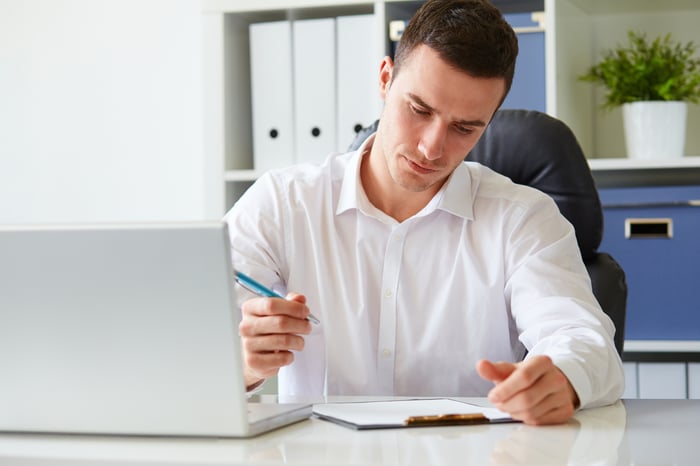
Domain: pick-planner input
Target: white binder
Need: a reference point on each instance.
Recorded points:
(314, 88)
(271, 94)
(359, 57)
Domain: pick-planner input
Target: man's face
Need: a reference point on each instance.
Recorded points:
(433, 115)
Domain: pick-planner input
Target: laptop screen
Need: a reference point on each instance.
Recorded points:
(119, 328)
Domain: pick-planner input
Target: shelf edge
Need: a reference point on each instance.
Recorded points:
(634, 164)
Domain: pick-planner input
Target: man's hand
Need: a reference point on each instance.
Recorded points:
(270, 329)
(534, 391)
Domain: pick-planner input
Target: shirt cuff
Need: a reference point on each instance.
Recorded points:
(578, 378)
(256, 388)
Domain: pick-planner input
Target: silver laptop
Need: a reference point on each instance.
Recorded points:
(124, 329)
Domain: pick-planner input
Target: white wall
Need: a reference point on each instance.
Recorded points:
(100, 111)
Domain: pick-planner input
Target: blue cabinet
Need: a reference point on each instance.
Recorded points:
(654, 233)
(528, 89)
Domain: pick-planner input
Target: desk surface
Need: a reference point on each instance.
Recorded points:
(629, 432)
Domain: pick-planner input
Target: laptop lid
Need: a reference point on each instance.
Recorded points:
(123, 329)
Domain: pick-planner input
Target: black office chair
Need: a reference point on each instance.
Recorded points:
(537, 150)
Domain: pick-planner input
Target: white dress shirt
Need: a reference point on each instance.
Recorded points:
(488, 269)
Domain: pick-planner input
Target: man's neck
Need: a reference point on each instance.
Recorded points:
(398, 203)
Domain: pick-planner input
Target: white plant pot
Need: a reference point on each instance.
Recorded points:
(655, 129)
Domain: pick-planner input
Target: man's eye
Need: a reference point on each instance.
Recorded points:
(463, 129)
(419, 111)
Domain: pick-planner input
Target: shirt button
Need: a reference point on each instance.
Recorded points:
(388, 293)
(386, 353)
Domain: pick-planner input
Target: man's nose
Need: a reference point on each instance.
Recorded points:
(432, 141)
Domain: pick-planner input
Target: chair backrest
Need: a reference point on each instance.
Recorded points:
(535, 149)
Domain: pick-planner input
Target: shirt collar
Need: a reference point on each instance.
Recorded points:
(352, 194)
(458, 198)
(455, 196)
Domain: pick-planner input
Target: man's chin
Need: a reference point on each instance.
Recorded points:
(417, 184)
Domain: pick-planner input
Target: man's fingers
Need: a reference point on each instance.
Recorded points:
(262, 307)
(273, 325)
(300, 298)
(525, 375)
(264, 316)
(275, 342)
(270, 329)
(495, 372)
(535, 392)
(265, 354)
(264, 365)
(552, 410)
(533, 402)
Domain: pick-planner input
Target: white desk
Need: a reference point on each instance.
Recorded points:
(630, 432)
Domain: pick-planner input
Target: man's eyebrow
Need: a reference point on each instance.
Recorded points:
(420, 101)
(423, 104)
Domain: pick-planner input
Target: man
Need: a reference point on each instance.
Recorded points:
(423, 269)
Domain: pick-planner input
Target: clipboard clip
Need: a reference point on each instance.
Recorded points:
(446, 420)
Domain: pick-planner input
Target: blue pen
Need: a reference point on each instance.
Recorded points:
(261, 290)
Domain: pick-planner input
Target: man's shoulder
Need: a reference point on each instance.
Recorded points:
(495, 193)
(493, 185)
(306, 172)
(304, 181)
(295, 185)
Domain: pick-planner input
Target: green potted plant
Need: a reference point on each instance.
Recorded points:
(653, 82)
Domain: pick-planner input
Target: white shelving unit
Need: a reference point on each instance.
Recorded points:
(227, 113)
(576, 33)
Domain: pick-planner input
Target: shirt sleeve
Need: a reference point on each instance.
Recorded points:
(553, 305)
(256, 230)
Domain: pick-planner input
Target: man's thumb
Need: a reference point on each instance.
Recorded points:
(495, 372)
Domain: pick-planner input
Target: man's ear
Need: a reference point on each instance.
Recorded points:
(386, 71)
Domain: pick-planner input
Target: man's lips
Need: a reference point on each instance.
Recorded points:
(419, 168)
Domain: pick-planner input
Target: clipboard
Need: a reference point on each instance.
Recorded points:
(419, 412)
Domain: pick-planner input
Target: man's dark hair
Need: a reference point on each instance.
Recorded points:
(470, 35)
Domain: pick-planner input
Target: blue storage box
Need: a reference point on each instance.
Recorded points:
(654, 233)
